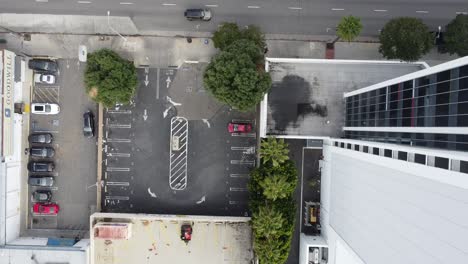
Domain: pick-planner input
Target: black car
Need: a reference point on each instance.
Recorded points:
(42, 152)
(42, 166)
(43, 138)
(42, 65)
(41, 196)
(198, 14)
(42, 181)
(88, 126)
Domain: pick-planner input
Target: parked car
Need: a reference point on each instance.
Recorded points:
(42, 138)
(43, 65)
(42, 152)
(239, 127)
(45, 109)
(41, 166)
(42, 181)
(88, 126)
(186, 232)
(41, 196)
(198, 14)
(46, 208)
(44, 78)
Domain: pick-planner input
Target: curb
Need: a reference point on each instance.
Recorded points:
(99, 158)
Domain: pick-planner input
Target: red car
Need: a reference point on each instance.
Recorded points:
(239, 127)
(46, 208)
(186, 232)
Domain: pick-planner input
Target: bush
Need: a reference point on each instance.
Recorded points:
(456, 36)
(109, 78)
(234, 78)
(405, 38)
(228, 33)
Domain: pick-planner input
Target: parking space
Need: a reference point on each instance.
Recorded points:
(74, 189)
(203, 170)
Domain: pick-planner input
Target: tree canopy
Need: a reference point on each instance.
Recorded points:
(233, 76)
(456, 36)
(349, 28)
(109, 78)
(228, 33)
(274, 150)
(406, 39)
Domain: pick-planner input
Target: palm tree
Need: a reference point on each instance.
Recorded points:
(277, 187)
(274, 151)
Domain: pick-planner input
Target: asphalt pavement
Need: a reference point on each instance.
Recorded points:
(275, 17)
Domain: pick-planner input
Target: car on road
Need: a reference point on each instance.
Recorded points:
(41, 138)
(43, 65)
(45, 109)
(41, 181)
(239, 127)
(41, 196)
(41, 166)
(44, 78)
(186, 232)
(88, 125)
(42, 152)
(46, 208)
(198, 14)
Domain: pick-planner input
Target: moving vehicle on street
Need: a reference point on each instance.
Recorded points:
(46, 208)
(88, 126)
(44, 78)
(41, 166)
(239, 127)
(186, 232)
(45, 109)
(41, 138)
(43, 65)
(42, 152)
(198, 14)
(41, 181)
(41, 196)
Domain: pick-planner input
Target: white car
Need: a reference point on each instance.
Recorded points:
(45, 108)
(44, 78)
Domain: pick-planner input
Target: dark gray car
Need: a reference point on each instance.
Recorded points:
(42, 138)
(41, 166)
(42, 152)
(43, 181)
(41, 196)
(88, 124)
(42, 65)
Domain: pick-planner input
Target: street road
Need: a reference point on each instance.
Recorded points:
(273, 16)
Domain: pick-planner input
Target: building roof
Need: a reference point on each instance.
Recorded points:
(157, 239)
(306, 98)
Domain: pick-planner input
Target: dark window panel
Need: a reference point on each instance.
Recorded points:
(356, 147)
(342, 145)
(419, 158)
(442, 163)
(463, 166)
(388, 153)
(402, 155)
(336, 143)
(365, 149)
(349, 146)
(375, 151)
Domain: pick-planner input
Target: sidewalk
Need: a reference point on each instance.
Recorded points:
(60, 36)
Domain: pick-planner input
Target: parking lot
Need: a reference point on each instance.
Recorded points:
(75, 156)
(207, 174)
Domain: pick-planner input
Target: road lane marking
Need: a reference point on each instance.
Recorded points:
(337, 9)
(84, 2)
(124, 198)
(117, 169)
(168, 4)
(380, 10)
(237, 189)
(211, 5)
(42, 1)
(122, 155)
(422, 11)
(253, 7)
(126, 3)
(243, 162)
(243, 135)
(238, 175)
(118, 140)
(119, 125)
(117, 183)
(119, 111)
(294, 8)
(157, 83)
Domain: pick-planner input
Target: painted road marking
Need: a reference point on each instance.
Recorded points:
(243, 135)
(380, 10)
(337, 9)
(117, 183)
(243, 162)
(119, 140)
(211, 5)
(158, 72)
(422, 11)
(168, 4)
(178, 153)
(253, 7)
(123, 155)
(119, 111)
(119, 125)
(294, 8)
(117, 169)
(238, 175)
(237, 189)
(124, 198)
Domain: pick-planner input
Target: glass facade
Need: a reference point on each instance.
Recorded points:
(436, 100)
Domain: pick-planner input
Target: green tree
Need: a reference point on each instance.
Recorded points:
(349, 28)
(456, 36)
(268, 222)
(274, 150)
(405, 38)
(234, 78)
(228, 33)
(109, 78)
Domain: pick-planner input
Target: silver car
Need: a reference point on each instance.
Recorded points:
(42, 181)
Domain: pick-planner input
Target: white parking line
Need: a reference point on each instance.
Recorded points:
(422, 11)
(117, 183)
(243, 162)
(241, 121)
(122, 155)
(237, 175)
(119, 111)
(121, 198)
(46, 131)
(126, 3)
(253, 7)
(337, 9)
(84, 2)
(243, 135)
(211, 5)
(117, 169)
(119, 125)
(168, 4)
(242, 148)
(237, 189)
(118, 140)
(380, 10)
(294, 8)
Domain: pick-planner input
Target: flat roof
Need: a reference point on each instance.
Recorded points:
(306, 98)
(156, 239)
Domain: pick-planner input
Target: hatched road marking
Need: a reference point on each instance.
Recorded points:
(178, 157)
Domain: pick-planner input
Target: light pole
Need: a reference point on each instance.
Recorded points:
(115, 31)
